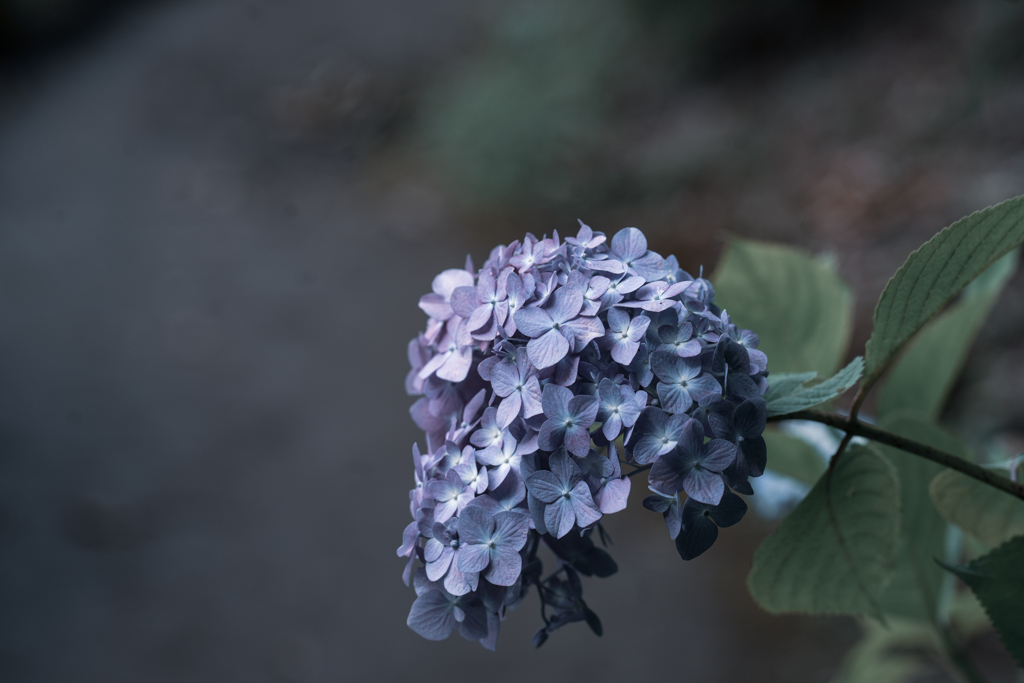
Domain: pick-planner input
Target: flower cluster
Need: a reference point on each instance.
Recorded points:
(534, 373)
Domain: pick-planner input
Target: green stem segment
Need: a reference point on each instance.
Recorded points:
(854, 427)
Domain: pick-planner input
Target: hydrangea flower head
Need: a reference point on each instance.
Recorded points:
(534, 373)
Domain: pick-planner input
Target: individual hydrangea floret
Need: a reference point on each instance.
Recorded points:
(569, 419)
(700, 523)
(694, 466)
(618, 407)
(566, 497)
(533, 373)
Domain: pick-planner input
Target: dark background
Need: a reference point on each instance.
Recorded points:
(216, 219)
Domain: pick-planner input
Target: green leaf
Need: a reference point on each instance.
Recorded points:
(934, 274)
(998, 582)
(798, 305)
(801, 398)
(968, 616)
(988, 514)
(793, 457)
(916, 585)
(835, 553)
(924, 374)
(786, 384)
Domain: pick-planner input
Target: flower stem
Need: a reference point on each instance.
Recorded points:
(638, 470)
(854, 427)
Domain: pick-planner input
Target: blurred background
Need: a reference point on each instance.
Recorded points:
(217, 216)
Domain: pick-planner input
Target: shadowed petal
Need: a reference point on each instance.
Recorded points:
(509, 409)
(613, 495)
(436, 306)
(555, 401)
(547, 349)
(750, 418)
(559, 517)
(456, 367)
(533, 322)
(717, 455)
(431, 615)
(536, 507)
(552, 436)
(584, 409)
(566, 469)
(669, 471)
(704, 389)
(439, 567)
(464, 301)
(624, 350)
(544, 486)
(476, 525)
(729, 511)
(432, 550)
(755, 453)
(566, 303)
(653, 267)
(618, 320)
(583, 505)
(577, 440)
(704, 486)
(459, 582)
(504, 378)
(474, 625)
(629, 244)
(565, 371)
(692, 438)
(505, 565)
(674, 398)
(698, 534)
(409, 537)
(511, 530)
(612, 426)
(473, 558)
(480, 317)
(584, 330)
(674, 517)
(531, 398)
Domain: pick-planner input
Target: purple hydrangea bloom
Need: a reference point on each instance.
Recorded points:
(490, 543)
(451, 495)
(679, 339)
(682, 382)
(670, 507)
(501, 459)
(624, 335)
(556, 329)
(629, 246)
(516, 383)
(609, 488)
(618, 408)
(484, 307)
(694, 466)
(436, 612)
(656, 434)
(743, 426)
(566, 496)
(569, 418)
(700, 522)
(528, 371)
(656, 296)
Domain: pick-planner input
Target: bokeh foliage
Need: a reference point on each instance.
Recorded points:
(869, 537)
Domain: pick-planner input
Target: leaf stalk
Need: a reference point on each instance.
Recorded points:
(854, 427)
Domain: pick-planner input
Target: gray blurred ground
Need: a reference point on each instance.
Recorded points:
(212, 237)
